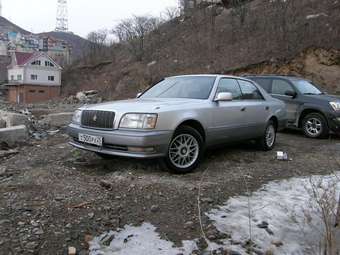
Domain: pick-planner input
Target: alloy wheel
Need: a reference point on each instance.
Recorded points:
(184, 151)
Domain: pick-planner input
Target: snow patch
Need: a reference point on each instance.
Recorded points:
(289, 209)
(143, 240)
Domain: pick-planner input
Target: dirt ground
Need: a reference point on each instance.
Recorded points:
(53, 196)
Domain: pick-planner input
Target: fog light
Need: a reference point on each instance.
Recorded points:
(141, 149)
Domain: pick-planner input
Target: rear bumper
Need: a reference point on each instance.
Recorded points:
(135, 144)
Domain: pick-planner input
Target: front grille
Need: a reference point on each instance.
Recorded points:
(97, 119)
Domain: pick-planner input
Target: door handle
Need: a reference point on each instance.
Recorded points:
(267, 108)
(243, 109)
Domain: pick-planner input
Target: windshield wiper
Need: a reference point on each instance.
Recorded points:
(313, 94)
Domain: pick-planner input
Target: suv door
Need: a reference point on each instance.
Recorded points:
(256, 110)
(279, 89)
(228, 117)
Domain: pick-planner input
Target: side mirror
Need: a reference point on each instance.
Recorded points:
(291, 93)
(224, 96)
(139, 94)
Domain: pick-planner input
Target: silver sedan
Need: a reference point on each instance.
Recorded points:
(178, 118)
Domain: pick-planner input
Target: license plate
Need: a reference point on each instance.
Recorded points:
(91, 139)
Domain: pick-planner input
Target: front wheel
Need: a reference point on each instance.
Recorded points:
(314, 125)
(185, 150)
(268, 140)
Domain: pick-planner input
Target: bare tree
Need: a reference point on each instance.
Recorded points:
(134, 31)
(170, 13)
(98, 44)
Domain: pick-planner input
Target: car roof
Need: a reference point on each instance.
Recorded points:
(210, 75)
(287, 77)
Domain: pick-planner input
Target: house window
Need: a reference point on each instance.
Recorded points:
(48, 63)
(34, 77)
(36, 63)
(41, 91)
(19, 77)
(51, 78)
(12, 77)
(32, 91)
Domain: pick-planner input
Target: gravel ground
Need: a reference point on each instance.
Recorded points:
(54, 196)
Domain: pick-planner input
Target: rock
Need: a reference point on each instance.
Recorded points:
(38, 231)
(91, 215)
(277, 243)
(90, 96)
(106, 184)
(263, 224)
(72, 251)
(57, 119)
(152, 63)
(189, 224)
(31, 245)
(13, 135)
(7, 153)
(207, 200)
(154, 208)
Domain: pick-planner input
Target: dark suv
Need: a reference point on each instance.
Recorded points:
(308, 108)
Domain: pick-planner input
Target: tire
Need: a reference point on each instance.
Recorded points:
(268, 140)
(179, 159)
(104, 156)
(314, 125)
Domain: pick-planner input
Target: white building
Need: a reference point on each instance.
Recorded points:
(34, 68)
(33, 77)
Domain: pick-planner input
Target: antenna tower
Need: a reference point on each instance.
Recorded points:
(62, 16)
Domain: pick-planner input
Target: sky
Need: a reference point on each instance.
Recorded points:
(84, 15)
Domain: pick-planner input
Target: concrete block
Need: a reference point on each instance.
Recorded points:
(13, 135)
(57, 119)
(13, 119)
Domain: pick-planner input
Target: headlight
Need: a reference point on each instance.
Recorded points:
(335, 106)
(138, 121)
(76, 119)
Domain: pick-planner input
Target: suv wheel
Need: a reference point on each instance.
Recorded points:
(185, 150)
(314, 125)
(267, 142)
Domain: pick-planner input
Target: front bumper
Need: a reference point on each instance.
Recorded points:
(124, 143)
(334, 124)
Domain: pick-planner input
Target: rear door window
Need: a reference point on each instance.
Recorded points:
(264, 83)
(249, 91)
(280, 87)
(231, 86)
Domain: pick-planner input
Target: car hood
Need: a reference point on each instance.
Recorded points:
(141, 105)
(324, 97)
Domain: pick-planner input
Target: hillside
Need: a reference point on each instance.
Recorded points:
(7, 26)
(79, 44)
(259, 35)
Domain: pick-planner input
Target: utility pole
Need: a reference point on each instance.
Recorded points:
(62, 16)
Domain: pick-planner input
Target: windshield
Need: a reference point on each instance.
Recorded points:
(307, 88)
(192, 87)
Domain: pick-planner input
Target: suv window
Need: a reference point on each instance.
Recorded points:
(280, 87)
(250, 91)
(231, 86)
(264, 83)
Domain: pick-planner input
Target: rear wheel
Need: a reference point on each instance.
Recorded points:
(185, 150)
(268, 140)
(314, 125)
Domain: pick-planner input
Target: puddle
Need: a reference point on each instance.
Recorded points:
(143, 240)
(284, 218)
(283, 213)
